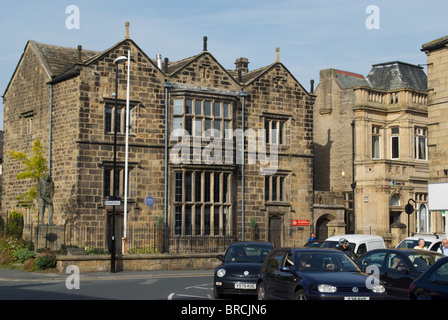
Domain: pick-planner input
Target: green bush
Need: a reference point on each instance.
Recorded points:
(23, 254)
(14, 227)
(45, 261)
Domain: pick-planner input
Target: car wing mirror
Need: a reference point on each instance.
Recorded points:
(286, 269)
(220, 257)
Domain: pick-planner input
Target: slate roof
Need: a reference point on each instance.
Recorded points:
(59, 59)
(397, 75)
(350, 79)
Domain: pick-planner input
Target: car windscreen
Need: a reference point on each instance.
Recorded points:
(247, 253)
(335, 244)
(422, 261)
(410, 244)
(324, 262)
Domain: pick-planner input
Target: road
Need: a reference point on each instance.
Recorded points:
(154, 285)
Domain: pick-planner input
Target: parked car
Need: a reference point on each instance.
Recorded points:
(359, 243)
(431, 284)
(314, 243)
(432, 241)
(314, 274)
(238, 273)
(398, 267)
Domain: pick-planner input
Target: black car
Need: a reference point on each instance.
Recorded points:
(432, 284)
(315, 274)
(397, 268)
(238, 273)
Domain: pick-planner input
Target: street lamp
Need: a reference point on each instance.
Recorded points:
(117, 61)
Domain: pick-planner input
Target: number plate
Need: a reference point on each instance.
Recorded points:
(245, 286)
(356, 298)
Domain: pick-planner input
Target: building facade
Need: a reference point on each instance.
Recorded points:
(437, 58)
(187, 121)
(371, 138)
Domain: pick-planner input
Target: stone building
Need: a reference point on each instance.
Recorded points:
(201, 184)
(370, 137)
(437, 56)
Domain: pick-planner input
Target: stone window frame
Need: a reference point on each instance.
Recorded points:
(214, 216)
(419, 134)
(28, 122)
(376, 141)
(190, 109)
(279, 182)
(107, 167)
(281, 121)
(109, 104)
(395, 142)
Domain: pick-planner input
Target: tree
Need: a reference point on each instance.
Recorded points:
(35, 169)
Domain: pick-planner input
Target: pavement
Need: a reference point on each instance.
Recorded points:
(11, 275)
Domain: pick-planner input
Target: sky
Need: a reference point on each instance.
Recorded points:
(312, 35)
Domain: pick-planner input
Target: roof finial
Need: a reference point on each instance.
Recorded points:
(126, 34)
(277, 54)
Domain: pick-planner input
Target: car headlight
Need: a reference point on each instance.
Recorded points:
(221, 273)
(326, 288)
(378, 288)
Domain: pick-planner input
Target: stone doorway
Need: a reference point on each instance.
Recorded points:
(275, 227)
(321, 228)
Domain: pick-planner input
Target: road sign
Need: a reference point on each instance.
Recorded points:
(112, 203)
(409, 208)
(149, 201)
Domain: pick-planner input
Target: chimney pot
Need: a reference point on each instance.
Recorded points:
(205, 44)
(79, 58)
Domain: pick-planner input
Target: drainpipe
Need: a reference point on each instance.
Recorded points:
(167, 86)
(243, 95)
(51, 123)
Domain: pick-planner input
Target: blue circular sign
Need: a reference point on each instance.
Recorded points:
(149, 201)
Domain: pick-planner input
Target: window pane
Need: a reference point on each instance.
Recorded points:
(207, 221)
(107, 182)
(217, 109)
(188, 106)
(375, 147)
(198, 107)
(216, 220)
(118, 120)
(207, 187)
(226, 110)
(274, 189)
(266, 188)
(189, 125)
(216, 187)
(177, 123)
(187, 186)
(282, 189)
(188, 221)
(198, 127)
(178, 104)
(108, 120)
(225, 188)
(395, 148)
(207, 108)
(197, 220)
(178, 187)
(197, 187)
(177, 220)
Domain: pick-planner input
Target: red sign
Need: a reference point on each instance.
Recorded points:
(300, 222)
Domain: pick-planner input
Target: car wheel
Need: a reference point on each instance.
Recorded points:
(300, 295)
(261, 291)
(216, 295)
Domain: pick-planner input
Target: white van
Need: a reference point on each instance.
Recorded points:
(360, 243)
(432, 241)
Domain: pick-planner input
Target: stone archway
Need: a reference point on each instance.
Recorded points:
(321, 228)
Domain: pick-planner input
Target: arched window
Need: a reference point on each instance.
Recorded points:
(424, 223)
(394, 201)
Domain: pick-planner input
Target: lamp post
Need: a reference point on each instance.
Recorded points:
(117, 61)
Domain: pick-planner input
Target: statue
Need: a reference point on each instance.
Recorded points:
(45, 193)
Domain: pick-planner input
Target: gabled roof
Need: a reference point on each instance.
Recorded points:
(435, 44)
(397, 75)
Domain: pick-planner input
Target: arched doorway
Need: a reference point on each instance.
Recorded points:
(321, 228)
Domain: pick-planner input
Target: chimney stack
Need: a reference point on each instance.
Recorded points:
(79, 59)
(312, 86)
(277, 54)
(242, 64)
(205, 44)
(126, 34)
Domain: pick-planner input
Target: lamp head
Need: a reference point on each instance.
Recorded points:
(121, 59)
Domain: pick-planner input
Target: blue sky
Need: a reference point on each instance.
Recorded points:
(312, 35)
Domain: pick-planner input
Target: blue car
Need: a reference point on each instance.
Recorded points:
(238, 273)
(432, 284)
(315, 274)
